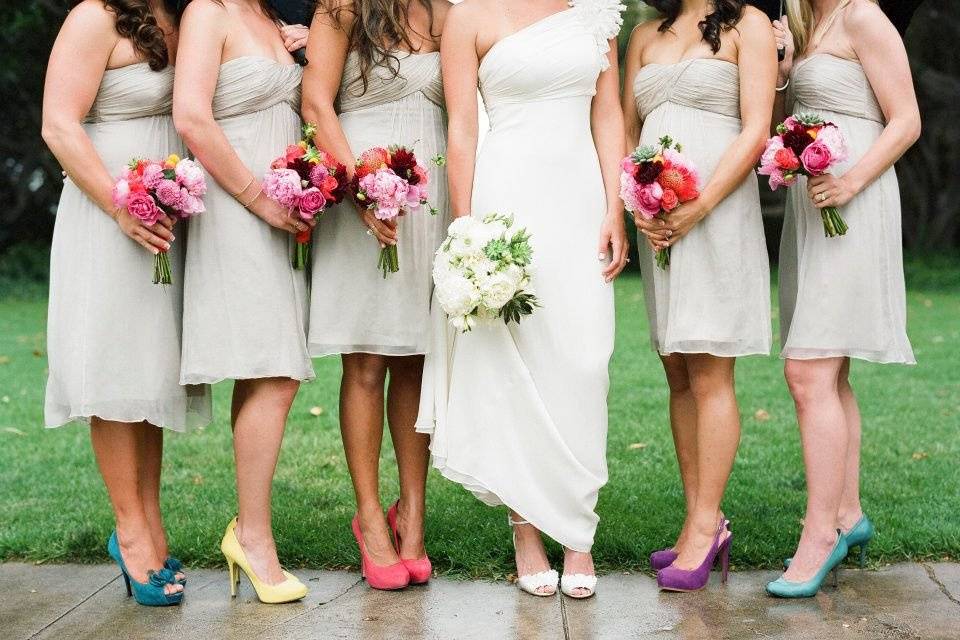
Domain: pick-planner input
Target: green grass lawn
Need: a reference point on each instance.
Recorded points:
(53, 506)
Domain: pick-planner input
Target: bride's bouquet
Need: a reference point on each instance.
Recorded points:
(391, 183)
(307, 180)
(151, 189)
(481, 271)
(655, 180)
(805, 145)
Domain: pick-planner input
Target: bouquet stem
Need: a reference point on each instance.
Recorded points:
(161, 269)
(833, 224)
(663, 258)
(301, 255)
(389, 260)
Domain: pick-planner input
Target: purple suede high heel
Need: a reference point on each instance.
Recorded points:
(664, 557)
(674, 579)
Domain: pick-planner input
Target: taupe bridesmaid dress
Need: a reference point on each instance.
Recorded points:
(715, 296)
(246, 306)
(843, 296)
(113, 337)
(353, 308)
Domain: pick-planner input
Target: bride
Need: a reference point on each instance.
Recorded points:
(518, 413)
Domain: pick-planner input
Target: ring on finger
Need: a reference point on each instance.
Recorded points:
(369, 232)
(821, 196)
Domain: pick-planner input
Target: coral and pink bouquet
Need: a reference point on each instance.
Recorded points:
(805, 145)
(307, 180)
(391, 183)
(151, 189)
(655, 180)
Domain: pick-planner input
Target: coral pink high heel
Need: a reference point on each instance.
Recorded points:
(386, 577)
(420, 569)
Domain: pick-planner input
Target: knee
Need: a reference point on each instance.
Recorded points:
(368, 374)
(805, 386)
(678, 380)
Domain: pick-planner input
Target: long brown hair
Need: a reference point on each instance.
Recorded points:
(725, 16)
(380, 28)
(136, 22)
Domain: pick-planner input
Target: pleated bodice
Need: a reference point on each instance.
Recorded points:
(130, 92)
(706, 84)
(409, 74)
(254, 83)
(848, 92)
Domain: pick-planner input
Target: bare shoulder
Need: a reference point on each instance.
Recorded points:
(865, 15)
(753, 18)
(469, 11)
(205, 11)
(92, 15)
(440, 10)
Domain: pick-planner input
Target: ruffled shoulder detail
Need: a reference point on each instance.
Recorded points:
(604, 18)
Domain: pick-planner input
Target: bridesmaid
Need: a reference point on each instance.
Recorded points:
(704, 74)
(379, 85)
(853, 71)
(236, 97)
(107, 100)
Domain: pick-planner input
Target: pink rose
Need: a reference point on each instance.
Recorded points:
(152, 175)
(279, 163)
(293, 153)
(627, 166)
(169, 193)
(816, 158)
(423, 178)
(649, 197)
(283, 185)
(312, 202)
(669, 201)
(142, 207)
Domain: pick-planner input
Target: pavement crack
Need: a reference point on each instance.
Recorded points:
(342, 593)
(316, 606)
(943, 588)
(74, 607)
(563, 618)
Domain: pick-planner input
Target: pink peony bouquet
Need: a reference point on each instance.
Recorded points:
(151, 189)
(805, 145)
(391, 183)
(655, 180)
(307, 180)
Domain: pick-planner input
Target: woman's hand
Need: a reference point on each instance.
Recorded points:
(682, 219)
(294, 36)
(613, 244)
(155, 239)
(655, 229)
(784, 38)
(275, 214)
(385, 231)
(830, 191)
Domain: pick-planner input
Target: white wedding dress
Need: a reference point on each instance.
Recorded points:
(518, 413)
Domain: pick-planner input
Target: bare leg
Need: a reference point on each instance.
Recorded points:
(259, 421)
(683, 424)
(413, 451)
(718, 436)
(361, 426)
(151, 456)
(850, 510)
(116, 446)
(824, 435)
(529, 552)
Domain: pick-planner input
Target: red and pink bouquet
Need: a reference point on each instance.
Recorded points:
(307, 180)
(151, 189)
(391, 183)
(655, 180)
(805, 145)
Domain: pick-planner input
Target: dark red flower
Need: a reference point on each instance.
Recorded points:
(797, 140)
(402, 161)
(647, 172)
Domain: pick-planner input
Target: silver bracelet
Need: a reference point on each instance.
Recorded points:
(784, 87)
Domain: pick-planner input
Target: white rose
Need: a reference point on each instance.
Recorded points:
(516, 275)
(497, 290)
(463, 323)
(462, 226)
(457, 295)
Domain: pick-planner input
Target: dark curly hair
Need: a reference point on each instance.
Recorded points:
(725, 16)
(135, 21)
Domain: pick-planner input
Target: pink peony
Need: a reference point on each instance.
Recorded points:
(152, 175)
(649, 198)
(190, 205)
(386, 191)
(190, 175)
(831, 137)
(816, 158)
(169, 193)
(778, 178)
(142, 207)
(768, 161)
(312, 202)
(121, 193)
(283, 185)
(627, 166)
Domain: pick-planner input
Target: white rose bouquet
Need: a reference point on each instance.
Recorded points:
(482, 271)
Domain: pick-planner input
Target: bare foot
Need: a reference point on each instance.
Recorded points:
(575, 562)
(530, 554)
(812, 552)
(410, 528)
(377, 537)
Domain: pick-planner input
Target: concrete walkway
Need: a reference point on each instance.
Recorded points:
(70, 602)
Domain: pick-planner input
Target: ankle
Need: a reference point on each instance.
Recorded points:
(847, 518)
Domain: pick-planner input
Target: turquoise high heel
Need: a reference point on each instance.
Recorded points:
(859, 535)
(149, 593)
(782, 588)
(175, 567)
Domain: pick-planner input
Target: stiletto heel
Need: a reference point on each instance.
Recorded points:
(836, 576)
(289, 590)
(863, 554)
(783, 588)
(725, 562)
(151, 593)
(859, 535)
(388, 577)
(420, 569)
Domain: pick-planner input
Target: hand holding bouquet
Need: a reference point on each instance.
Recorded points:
(482, 271)
(307, 180)
(655, 180)
(805, 145)
(151, 189)
(391, 183)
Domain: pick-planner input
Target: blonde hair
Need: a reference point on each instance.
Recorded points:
(800, 13)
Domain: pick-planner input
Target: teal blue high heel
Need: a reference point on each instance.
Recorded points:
(149, 593)
(175, 567)
(859, 535)
(782, 588)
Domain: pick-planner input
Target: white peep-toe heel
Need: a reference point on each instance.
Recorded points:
(541, 584)
(570, 583)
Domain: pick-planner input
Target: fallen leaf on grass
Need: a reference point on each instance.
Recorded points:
(14, 431)
(198, 479)
(4, 359)
(38, 353)
(316, 411)
(919, 455)
(761, 415)
(937, 339)
(5, 399)
(927, 302)
(638, 445)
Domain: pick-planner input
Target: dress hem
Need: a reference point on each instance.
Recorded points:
(806, 354)
(194, 379)
(323, 351)
(87, 416)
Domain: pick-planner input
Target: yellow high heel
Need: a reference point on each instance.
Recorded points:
(289, 590)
